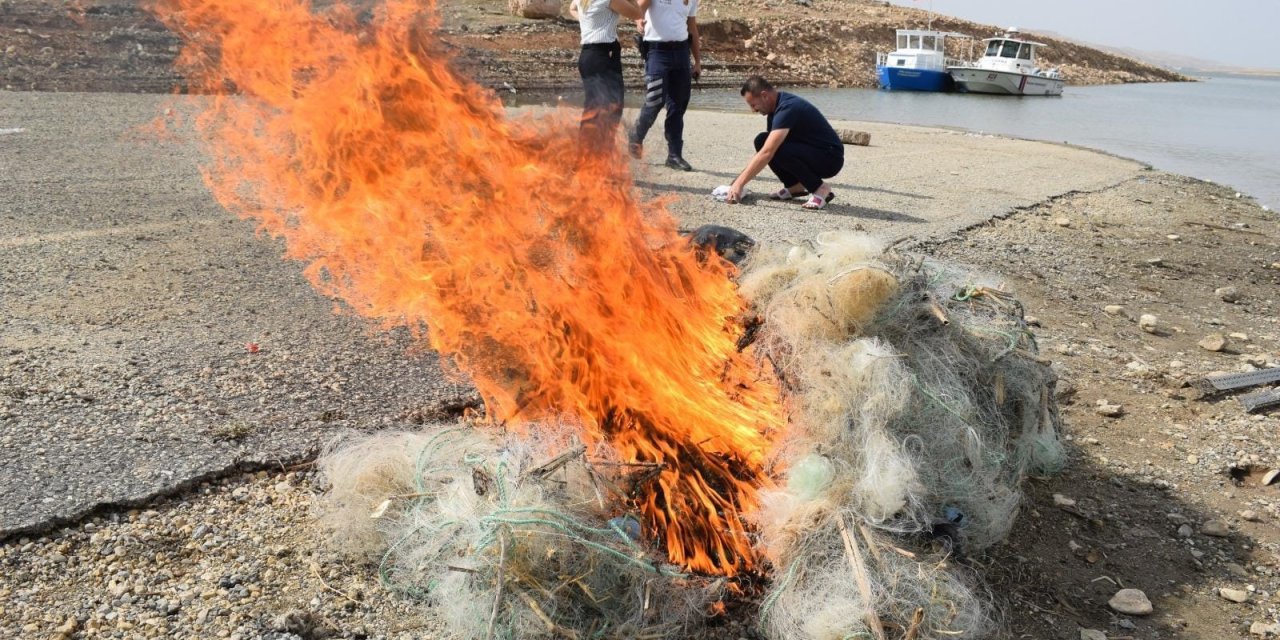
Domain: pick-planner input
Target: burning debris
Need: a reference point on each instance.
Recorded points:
(534, 269)
(897, 407)
(918, 405)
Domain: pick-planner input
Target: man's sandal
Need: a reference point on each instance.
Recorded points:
(818, 202)
(786, 194)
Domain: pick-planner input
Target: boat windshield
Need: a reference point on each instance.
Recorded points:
(993, 47)
(1010, 49)
(927, 41)
(1025, 52)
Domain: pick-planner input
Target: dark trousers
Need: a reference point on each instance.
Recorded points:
(600, 66)
(668, 81)
(806, 164)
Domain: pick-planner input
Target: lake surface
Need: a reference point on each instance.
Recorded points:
(1225, 129)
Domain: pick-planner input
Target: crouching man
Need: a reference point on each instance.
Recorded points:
(799, 145)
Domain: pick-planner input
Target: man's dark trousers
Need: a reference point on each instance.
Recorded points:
(668, 81)
(806, 164)
(600, 66)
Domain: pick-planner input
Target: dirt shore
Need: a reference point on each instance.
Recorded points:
(133, 306)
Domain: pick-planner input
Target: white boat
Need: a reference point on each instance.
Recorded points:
(1008, 67)
(918, 64)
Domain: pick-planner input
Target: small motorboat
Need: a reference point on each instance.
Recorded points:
(918, 64)
(1009, 68)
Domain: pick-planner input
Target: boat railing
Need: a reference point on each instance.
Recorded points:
(881, 58)
(957, 62)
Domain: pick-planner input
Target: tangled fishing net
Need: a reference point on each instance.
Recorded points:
(513, 539)
(918, 407)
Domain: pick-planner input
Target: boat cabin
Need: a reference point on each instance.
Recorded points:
(1010, 53)
(919, 49)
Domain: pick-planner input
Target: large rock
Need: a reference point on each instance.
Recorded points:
(849, 136)
(534, 8)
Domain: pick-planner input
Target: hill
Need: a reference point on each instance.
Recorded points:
(114, 45)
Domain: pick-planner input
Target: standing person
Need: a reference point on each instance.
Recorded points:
(674, 61)
(600, 65)
(798, 144)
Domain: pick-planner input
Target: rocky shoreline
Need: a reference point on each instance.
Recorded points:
(115, 45)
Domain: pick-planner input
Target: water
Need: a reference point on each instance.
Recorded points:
(1225, 129)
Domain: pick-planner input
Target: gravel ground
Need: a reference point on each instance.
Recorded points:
(157, 355)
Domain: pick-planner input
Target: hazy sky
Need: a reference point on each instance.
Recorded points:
(1235, 32)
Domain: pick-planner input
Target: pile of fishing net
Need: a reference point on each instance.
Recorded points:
(918, 406)
(517, 537)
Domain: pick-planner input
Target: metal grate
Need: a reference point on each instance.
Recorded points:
(1230, 381)
(1260, 399)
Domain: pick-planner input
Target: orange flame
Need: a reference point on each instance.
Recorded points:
(417, 200)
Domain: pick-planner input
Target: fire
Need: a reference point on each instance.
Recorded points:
(413, 196)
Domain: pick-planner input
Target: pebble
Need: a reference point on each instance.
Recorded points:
(1227, 294)
(1213, 342)
(1113, 309)
(1215, 528)
(1060, 500)
(1149, 322)
(1131, 602)
(1109, 410)
(1092, 634)
(1250, 515)
(1265, 629)
(1234, 595)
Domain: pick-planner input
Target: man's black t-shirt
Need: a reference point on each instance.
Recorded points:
(807, 124)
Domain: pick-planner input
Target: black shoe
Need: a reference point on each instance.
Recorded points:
(635, 149)
(678, 163)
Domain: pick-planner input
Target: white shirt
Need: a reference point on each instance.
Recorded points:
(668, 20)
(597, 21)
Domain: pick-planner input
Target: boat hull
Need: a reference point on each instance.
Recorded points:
(976, 80)
(907, 79)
